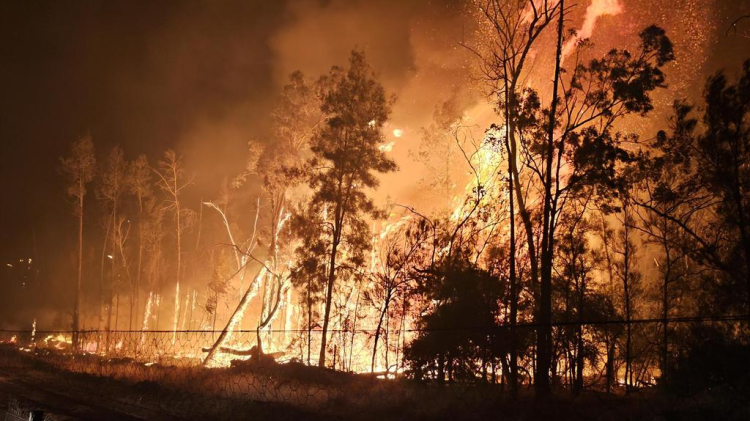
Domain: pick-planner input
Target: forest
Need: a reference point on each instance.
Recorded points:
(561, 246)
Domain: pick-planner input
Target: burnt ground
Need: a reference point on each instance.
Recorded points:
(66, 395)
(32, 391)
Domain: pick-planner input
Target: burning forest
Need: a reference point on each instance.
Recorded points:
(358, 210)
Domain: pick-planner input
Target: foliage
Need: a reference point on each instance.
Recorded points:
(461, 329)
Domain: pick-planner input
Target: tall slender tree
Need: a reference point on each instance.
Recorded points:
(139, 177)
(112, 186)
(79, 168)
(173, 182)
(346, 156)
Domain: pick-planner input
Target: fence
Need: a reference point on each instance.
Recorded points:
(163, 371)
(18, 412)
(167, 368)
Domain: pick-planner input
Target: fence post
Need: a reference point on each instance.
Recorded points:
(36, 415)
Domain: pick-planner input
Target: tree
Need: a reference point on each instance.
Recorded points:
(276, 164)
(438, 151)
(571, 149)
(630, 277)
(575, 264)
(694, 186)
(391, 277)
(79, 168)
(672, 267)
(243, 254)
(172, 182)
(140, 186)
(461, 328)
(112, 186)
(309, 271)
(345, 156)
(514, 28)
(153, 235)
(295, 118)
(709, 201)
(607, 292)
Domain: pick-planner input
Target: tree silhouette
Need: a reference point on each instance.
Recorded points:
(345, 158)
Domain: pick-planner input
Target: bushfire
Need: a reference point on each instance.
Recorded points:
(469, 201)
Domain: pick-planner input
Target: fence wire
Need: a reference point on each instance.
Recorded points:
(164, 372)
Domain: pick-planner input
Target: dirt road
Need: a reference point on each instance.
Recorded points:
(62, 401)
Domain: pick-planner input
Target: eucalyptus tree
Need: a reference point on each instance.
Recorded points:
(111, 189)
(571, 148)
(345, 159)
(140, 186)
(275, 164)
(79, 168)
(173, 181)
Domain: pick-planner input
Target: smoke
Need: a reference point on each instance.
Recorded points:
(596, 9)
(411, 46)
(201, 78)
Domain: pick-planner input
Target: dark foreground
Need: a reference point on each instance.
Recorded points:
(36, 383)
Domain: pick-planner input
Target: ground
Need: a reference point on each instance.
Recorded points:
(35, 383)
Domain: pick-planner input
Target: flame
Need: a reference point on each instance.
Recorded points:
(596, 9)
(387, 147)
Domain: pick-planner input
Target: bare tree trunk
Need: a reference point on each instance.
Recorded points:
(179, 266)
(309, 324)
(544, 335)
(236, 318)
(627, 291)
(665, 306)
(377, 334)
(610, 363)
(77, 309)
(117, 309)
(513, 363)
(245, 299)
(329, 298)
(137, 288)
(578, 386)
(354, 328)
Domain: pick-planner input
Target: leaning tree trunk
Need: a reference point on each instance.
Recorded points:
(233, 321)
(377, 334)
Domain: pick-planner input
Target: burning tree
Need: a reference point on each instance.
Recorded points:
(438, 151)
(140, 186)
(569, 149)
(296, 116)
(398, 247)
(345, 154)
(459, 335)
(172, 182)
(112, 187)
(79, 168)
